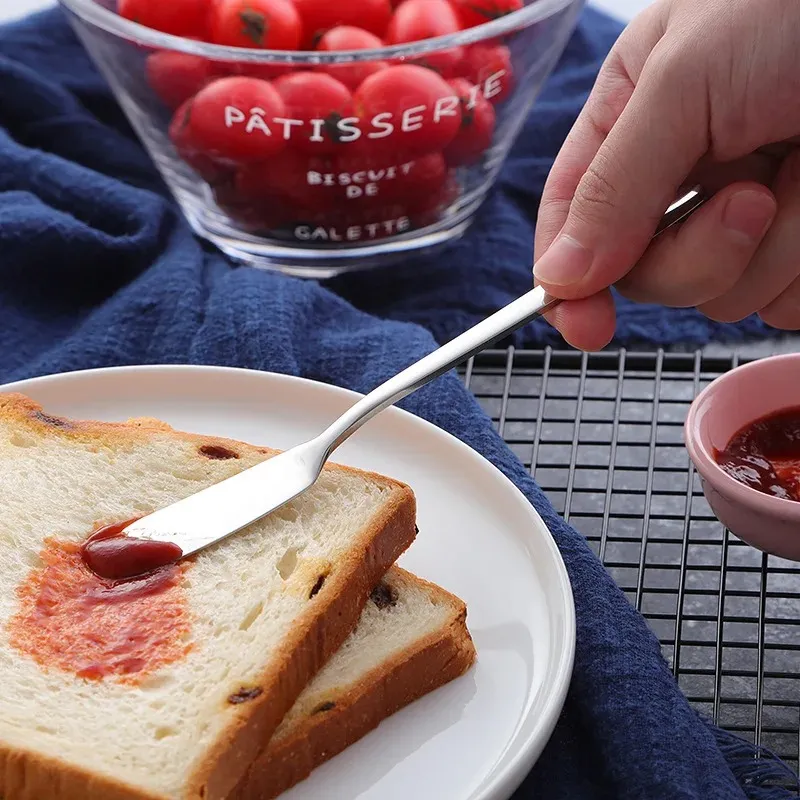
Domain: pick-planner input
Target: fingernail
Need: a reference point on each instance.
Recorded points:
(749, 215)
(565, 263)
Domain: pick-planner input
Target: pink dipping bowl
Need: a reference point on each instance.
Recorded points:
(721, 410)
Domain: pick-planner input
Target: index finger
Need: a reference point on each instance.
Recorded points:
(657, 139)
(609, 96)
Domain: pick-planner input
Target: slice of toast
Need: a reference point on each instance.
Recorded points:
(411, 639)
(165, 689)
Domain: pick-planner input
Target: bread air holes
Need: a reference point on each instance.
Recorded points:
(18, 439)
(252, 615)
(287, 563)
(328, 705)
(288, 513)
(164, 732)
(318, 584)
(156, 681)
(46, 729)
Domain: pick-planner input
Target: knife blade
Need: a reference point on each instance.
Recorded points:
(225, 508)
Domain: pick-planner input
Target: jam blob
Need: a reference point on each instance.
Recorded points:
(111, 554)
(765, 455)
(72, 619)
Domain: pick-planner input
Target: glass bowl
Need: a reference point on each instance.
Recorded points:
(322, 162)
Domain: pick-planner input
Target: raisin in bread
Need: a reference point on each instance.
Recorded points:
(171, 692)
(411, 639)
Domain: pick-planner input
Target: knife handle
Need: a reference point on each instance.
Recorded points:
(516, 314)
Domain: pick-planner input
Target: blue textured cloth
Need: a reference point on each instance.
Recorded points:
(97, 268)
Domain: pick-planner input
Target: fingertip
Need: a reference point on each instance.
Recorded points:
(586, 324)
(564, 264)
(720, 309)
(748, 210)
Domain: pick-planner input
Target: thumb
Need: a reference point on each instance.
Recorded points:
(634, 175)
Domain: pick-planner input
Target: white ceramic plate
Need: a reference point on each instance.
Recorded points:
(478, 737)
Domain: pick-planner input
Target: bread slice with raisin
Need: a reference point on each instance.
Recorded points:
(412, 638)
(165, 688)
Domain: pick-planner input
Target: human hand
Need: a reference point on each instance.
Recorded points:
(692, 93)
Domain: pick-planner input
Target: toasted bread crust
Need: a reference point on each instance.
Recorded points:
(436, 660)
(317, 637)
(30, 776)
(319, 632)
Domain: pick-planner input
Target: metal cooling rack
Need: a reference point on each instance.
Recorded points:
(602, 435)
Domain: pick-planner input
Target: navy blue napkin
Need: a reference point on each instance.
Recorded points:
(97, 268)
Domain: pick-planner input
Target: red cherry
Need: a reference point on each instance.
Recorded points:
(179, 17)
(319, 16)
(477, 125)
(266, 24)
(317, 104)
(284, 181)
(347, 37)
(176, 77)
(233, 118)
(489, 67)
(478, 12)
(418, 179)
(409, 110)
(417, 20)
(211, 170)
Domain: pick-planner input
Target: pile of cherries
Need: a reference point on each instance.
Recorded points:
(331, 152)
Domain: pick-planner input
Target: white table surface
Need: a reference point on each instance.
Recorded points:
(624, 9)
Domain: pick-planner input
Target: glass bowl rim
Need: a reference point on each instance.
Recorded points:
(91, 12)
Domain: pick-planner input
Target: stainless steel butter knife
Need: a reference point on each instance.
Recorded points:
(213, 514)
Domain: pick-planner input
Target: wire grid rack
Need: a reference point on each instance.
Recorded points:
(602, 435)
